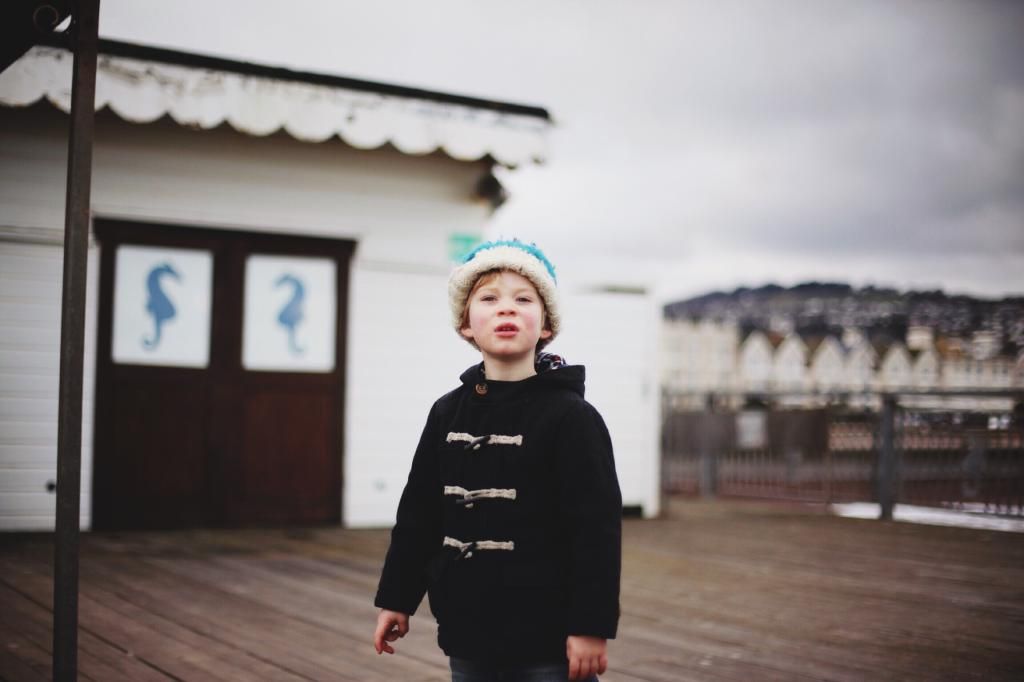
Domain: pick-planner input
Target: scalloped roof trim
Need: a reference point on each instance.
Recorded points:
(143, 91)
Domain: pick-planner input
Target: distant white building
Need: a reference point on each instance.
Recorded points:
(698, 355)
(860, 361)
(827, 371)
(755, 363)
(696, 362)
(789, 370)
(919, 338)
(894, 371)
(984, 345)
(925, 368)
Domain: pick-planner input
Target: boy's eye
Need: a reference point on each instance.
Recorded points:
(524, 299)
(488, 297)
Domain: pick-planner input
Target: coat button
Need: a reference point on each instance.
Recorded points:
(481, 389)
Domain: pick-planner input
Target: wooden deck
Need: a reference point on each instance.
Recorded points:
(715, 591)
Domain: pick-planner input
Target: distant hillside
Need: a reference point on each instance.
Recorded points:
(829, 307)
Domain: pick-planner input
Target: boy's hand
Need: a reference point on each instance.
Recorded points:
(587, 656)
(391, 625)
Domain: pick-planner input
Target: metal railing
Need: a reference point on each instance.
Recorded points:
(898, 453)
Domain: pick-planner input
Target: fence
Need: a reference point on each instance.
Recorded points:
(836, 454)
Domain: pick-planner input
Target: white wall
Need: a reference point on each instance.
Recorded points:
(756, 362)
(615, 335)
(790, 368)
(827, 371)
(402, 356)
(30, 294)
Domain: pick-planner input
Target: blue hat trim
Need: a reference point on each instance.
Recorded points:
(528, 248)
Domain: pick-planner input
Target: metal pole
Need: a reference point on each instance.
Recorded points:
(887, 464)
(830, 418)
(85, 28)
(708, 450)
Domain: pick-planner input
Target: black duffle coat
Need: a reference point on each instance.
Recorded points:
(511, 520)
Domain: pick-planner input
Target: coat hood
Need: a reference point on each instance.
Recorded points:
(551, 371)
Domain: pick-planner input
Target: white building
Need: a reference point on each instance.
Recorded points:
(894, 370)
(860, 362)
(925, 368)
(696, 353)
(984, 345)
(966, 366)
(920, 338)
(789, 369)
(827, 371)
(213, 183)
(756, 362)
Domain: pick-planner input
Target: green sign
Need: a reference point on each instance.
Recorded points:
(459, 245)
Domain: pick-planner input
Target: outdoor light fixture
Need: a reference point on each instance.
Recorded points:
(489, 188)
(24, 23)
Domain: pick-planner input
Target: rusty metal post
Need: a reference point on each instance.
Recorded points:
(830, 418)
(85, 28)
(888, 465)
(709, 450)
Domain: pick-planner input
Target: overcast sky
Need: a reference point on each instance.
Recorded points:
(702, 145)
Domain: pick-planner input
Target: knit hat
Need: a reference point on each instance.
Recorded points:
(525, 259)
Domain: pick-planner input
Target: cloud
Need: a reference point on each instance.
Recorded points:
(829, 137)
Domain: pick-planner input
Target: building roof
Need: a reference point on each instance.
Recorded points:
(142, 84)
(746, 331)
(881, 346)
(950, 348)
(815, 346)
(775, 338)
(813, 343)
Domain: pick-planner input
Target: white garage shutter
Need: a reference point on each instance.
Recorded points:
(30, 295)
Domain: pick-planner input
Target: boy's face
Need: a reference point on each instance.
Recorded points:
(506, 318)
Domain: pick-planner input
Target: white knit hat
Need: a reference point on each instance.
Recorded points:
(514, 255)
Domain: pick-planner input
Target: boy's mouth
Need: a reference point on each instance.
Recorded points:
(506, 329)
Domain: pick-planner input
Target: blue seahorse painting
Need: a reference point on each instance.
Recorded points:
(158, 305)
(291, 314)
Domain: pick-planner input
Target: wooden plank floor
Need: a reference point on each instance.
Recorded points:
(714, 591)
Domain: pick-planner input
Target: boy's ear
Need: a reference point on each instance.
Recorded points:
(468, 332)
(545, 333)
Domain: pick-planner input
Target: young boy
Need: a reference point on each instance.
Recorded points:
(511, 517)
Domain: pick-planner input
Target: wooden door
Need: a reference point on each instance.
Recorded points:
(216, 445)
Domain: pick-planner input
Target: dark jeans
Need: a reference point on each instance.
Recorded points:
(472, 671)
